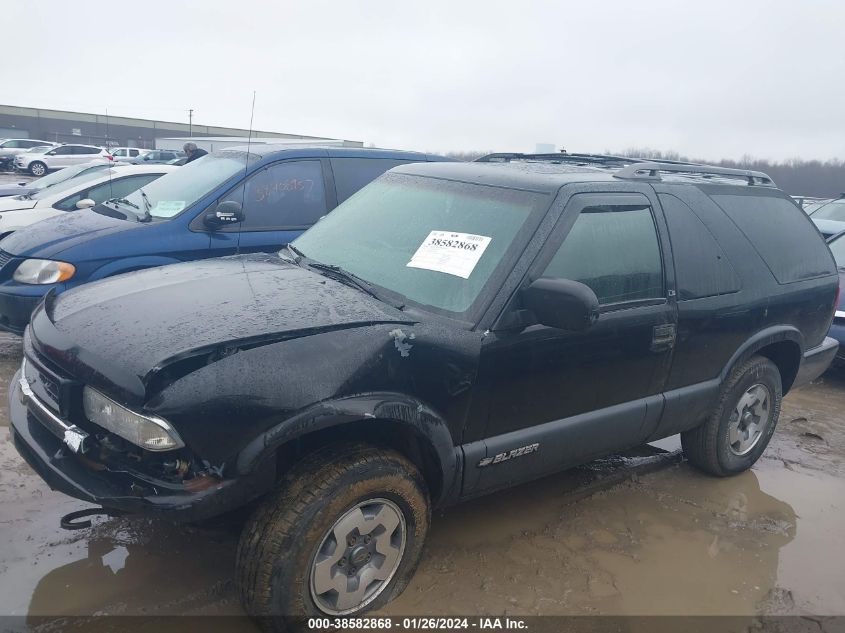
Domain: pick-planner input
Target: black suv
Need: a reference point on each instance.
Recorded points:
(450, 330)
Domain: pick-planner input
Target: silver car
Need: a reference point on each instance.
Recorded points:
(38, 162)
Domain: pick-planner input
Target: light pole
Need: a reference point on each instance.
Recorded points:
(191, 123)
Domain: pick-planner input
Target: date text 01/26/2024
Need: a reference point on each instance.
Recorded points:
(415, 623)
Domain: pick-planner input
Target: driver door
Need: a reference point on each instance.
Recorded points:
(566, 397)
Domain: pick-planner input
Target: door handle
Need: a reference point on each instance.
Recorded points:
(663, 337)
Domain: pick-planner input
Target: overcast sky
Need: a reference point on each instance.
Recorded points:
(708, 79)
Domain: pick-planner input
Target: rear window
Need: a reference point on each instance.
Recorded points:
(781, 234)
(701, 266)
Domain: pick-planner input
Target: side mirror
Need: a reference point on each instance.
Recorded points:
(226, 213)
(562, 303)
(51, 153)
(85, 203)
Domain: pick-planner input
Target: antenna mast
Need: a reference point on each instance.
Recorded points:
(246, 166)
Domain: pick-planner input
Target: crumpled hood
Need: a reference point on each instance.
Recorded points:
(48, 238)
(13, 204)
(139, 323)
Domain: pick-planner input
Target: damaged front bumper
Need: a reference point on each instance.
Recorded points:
(54, 450)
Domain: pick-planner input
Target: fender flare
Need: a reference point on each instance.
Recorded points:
(412, 414)
(128, 264)
(767, 336)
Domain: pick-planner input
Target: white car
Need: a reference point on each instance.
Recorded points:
(81, 192)
(40, 160)
(125, 153)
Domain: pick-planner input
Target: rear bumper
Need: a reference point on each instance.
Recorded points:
(837, 331)
(816, 360)
(66, 472)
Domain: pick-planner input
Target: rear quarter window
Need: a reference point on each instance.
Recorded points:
(351, 174)
(780, 232)
(702, 268)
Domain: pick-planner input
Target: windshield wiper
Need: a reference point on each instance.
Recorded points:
(147, 206)
(123, 201)
(351, 279)
(297, 254)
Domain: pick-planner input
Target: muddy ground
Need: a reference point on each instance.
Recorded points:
(627, 535)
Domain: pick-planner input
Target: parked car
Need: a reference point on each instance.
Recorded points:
(39, 184)
(156, 156)
(11, 147)
(450, 330)
(830, 217)
(837, 330)
(82, 192)
(39, 161)
(220, 205)
(809, 204)
(127, 153)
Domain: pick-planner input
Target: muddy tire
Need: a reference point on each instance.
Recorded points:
(739, 429)
(344, 518)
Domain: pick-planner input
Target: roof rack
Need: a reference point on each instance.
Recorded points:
(560, 157)
(651, 171)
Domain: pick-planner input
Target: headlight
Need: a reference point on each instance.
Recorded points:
(149, 432)
(43, 271)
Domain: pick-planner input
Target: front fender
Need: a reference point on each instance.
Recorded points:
(129, 264)
(396, 408)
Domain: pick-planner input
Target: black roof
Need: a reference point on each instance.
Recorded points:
(548, 172)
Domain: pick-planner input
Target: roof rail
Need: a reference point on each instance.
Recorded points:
(559, 158)
(651, 171)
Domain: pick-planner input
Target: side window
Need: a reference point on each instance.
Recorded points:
(133, 152)
(284, 195)
(12, 144)
(119, 153)
(780, 232)
(119, 188)
(701, 266)
(64, 150)
(351, 174)
(614, 250)
(82, 149)
(31, 144)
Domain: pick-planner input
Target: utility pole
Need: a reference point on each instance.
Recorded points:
(191, 122)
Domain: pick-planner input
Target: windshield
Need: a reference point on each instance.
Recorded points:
(831, 211)
(70, 183)
(64, 174)
(435, 242)
(837, 247)
(174, 192)
(38, 150)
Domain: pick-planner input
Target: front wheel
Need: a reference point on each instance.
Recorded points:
(37, 168)
(343, 535)
(739, 429)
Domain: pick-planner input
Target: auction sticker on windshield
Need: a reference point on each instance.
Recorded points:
(167, 208)
(451, 253)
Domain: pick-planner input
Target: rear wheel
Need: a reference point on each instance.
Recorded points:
(37, 168)
(739, 429)
(342, 536)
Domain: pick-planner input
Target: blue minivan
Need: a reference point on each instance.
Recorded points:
(231, 201)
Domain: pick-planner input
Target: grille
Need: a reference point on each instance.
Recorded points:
(5, 258)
